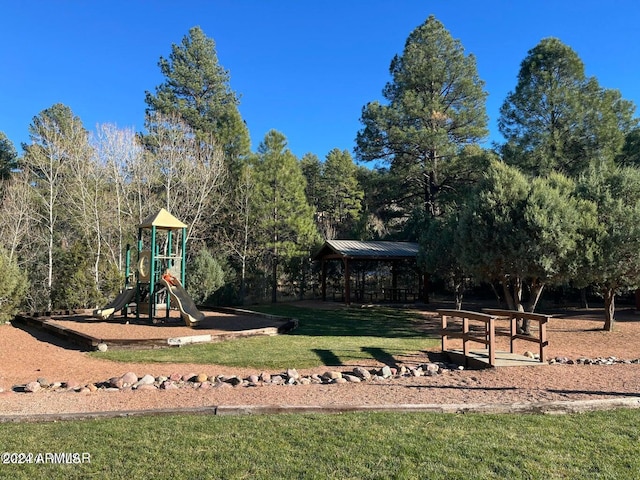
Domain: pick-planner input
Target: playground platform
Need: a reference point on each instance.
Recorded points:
(80, 328)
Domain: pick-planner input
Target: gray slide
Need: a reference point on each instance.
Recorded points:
(122, 300)
(190, 313)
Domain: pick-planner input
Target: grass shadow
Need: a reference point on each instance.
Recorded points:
(356, 322)
(380, 355)
(327, 357)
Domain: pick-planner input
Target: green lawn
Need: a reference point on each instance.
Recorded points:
(324, 337)
(601, 445)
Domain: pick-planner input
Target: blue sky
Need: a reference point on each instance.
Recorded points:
(301, 67)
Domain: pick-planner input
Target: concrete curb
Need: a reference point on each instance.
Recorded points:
(558, 407)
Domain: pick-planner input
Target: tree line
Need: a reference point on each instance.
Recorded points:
(555, 204)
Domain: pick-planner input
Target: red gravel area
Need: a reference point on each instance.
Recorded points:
(26, 355)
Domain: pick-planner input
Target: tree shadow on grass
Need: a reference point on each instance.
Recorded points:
(380, 355)
(373, 322)
(327, 357)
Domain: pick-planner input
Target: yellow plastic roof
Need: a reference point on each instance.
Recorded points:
(162, 219)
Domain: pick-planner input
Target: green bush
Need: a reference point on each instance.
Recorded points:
(73, 283)
(204, 276)
(14, 287)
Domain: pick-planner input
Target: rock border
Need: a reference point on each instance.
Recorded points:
(202, 381)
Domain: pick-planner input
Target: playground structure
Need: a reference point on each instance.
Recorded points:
(160, 272)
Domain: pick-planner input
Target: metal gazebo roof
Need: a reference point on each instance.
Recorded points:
(364, 250)
(349, 251)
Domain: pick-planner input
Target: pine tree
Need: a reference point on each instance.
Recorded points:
(436, 107)
(8, 157)
(557, 118)
(285, 226)
(197, 90)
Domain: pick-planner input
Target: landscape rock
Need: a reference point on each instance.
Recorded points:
(331, 375)
(32, 387)
(432, 369)
(362, 373)
(234, 381)
(276, 380)
(44, 383)
(203, 377)
(129, 378)
(147, 386)
(386, 372)
(116, 382)
(102, 347)
(145, 380)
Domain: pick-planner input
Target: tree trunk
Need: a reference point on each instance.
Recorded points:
(583, 297)
(459, 291)
(609, 309)
(495, 292)
(243, 280)
(512, 298)
(536, 293)
(274, 279)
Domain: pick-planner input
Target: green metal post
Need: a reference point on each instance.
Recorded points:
(183, 262)
(138, 287)
(152, 275)
(169, 265)
(127, 266)
(127, 271)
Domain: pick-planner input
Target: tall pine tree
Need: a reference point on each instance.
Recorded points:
(436, 106)
(285, 224)
(197, 90)
(558, 119)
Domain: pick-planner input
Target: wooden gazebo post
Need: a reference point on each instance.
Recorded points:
(324, 280)
(347, 282)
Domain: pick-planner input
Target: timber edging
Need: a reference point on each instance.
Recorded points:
(544, 408)
(41, 321)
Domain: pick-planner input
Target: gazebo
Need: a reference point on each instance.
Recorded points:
(351, 251)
